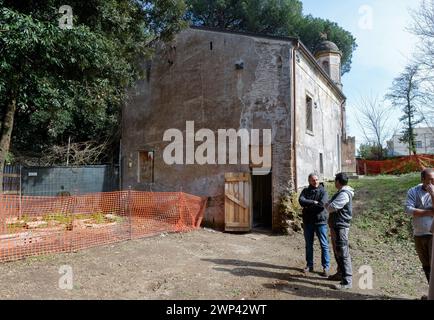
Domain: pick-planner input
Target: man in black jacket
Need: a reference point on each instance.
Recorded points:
(315, 217)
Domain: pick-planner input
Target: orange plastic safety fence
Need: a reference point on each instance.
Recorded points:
(399, 165)
(40, 225)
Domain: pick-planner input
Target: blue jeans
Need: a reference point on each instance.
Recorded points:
(309, 235)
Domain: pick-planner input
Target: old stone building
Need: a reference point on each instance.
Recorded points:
(225, 80)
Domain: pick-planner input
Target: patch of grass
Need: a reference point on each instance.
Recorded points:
(67, 219)
(15, 227)
(379, 205)
(59, 217)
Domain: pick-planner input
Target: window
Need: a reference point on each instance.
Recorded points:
(145, 168)
(309, 114)
(339, 150)
(431, 144)
(321, 163)
(326, 66)
(419, 144)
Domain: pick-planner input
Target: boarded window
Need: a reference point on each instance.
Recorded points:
(145, 171)
(321, 163)
(309, 114)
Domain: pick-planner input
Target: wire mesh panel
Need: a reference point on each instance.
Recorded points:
(33, 225)
(55, 181)
(400, 165)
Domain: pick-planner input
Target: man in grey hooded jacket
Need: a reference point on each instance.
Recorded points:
(340, 209)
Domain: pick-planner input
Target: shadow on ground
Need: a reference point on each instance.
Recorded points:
(301, 285)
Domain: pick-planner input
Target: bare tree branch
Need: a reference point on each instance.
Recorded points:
(372, 118)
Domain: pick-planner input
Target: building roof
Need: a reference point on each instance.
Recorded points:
(327, 46)
(293, 40)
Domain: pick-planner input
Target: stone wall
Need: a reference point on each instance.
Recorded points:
(196, 79)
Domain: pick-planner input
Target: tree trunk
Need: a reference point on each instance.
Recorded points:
(7, 124)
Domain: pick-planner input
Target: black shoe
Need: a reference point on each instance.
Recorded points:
(335, 277)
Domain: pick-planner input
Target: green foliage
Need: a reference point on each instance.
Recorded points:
(406, 93)
(275, 17)
(372, 152)
(72, 82)
(59, 217)
(290, 212)
(378, 206)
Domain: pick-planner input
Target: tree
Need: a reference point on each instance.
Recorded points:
(373, 118)
(274, 17)
(423, 27)
(369, 151)
(406, 94)
(58, 83)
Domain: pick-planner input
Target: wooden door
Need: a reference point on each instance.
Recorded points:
(238, 208)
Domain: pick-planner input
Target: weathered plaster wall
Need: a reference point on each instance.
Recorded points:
(196, 80)
(327, 125)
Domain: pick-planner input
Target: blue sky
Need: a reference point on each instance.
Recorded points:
(383, 50)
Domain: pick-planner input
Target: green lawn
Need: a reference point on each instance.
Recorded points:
(379, 205)
(381, 233)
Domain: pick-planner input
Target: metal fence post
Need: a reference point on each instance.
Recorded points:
(20, 192)
(130, 217)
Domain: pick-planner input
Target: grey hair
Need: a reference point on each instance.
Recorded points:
(313, 175)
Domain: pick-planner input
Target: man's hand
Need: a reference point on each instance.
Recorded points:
(430, 190)
(423, 213)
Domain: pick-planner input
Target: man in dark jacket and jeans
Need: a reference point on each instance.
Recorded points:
(315, 217)
(341, 213)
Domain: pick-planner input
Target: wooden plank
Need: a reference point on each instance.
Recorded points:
(237, 202)
(236, 207)
(230, 213)
(11, 192)
(234, 199)
(11, 175)
(236, 225)
(236, 179)
(243, 207)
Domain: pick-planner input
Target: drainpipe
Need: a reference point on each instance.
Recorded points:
(294, 113)
(344, 132)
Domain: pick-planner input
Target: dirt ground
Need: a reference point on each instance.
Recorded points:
(202, 264)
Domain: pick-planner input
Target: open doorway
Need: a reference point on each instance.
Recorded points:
(262, 201)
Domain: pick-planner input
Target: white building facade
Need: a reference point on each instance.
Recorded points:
(424, 143)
